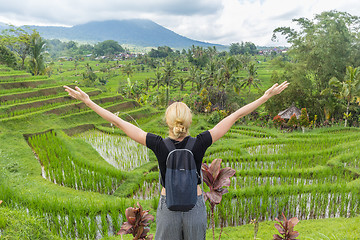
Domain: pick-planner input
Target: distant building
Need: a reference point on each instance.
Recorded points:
(287, 113)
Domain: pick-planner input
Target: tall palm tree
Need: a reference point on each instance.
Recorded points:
(157, 80)
(251, 80)
(37, 53)
(211, 71)
(349, 89)
(200, 81)
(168, 76)
(128, 70)
(211, 51)
(230, 66)
(181, 82)
(192, 74)
(147, 82)
(245, 59)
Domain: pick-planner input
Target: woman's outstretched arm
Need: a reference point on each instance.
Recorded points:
(224, 125)
(135, 133)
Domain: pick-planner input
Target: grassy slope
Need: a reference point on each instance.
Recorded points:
(16, 224)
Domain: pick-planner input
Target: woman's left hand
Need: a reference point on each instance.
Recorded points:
(79, 94)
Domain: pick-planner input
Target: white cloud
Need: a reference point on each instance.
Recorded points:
(218, 21)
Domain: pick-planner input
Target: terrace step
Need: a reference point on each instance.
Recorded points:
(41, 92)
(54, 109)
(38, 104)
(25, 84)
(30, 77)
(14, 76)
(63, 110)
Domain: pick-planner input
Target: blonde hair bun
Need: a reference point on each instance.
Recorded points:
(178, 118)
(179, 128)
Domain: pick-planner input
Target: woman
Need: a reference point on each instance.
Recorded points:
(173, 224)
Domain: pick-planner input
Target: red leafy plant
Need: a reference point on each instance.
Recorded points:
(286, 229)
(278, 121)
(216, 178)
(137, 223)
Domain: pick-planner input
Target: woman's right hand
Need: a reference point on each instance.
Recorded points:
(77, 94)
(276, 89)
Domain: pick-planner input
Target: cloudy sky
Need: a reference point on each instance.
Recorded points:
(215, 21)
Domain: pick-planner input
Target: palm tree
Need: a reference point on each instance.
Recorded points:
(37, 52)
(157, 80)
(147, 84)
(168, 76)
(251, 80)
(211, 51)
(128, 70)
(349, 89)
(245, 59)
(200, 81)
(181, 82)
(227, 69)
(211, 71)
(192, 74)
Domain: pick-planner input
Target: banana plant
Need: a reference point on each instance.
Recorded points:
(137, 223)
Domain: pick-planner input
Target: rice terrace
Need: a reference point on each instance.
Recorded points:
(66, 173)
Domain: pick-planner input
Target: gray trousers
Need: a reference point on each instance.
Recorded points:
(173, 225)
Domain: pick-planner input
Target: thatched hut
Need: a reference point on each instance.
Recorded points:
(287, 113)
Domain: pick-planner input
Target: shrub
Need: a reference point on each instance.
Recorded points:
(304, 119)
(278, 121)
(216, 116)
(293, 121)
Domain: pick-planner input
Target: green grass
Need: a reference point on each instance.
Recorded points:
(17, 224)
(320, 229)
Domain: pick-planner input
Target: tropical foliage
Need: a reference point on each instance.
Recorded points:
(37, 52)
(286, 229)
(348, 89)
(137, 223)
(216, 179)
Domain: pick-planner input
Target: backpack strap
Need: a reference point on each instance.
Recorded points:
(190, 143)
(169, 144)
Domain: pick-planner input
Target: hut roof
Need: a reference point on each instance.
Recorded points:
(287, 113)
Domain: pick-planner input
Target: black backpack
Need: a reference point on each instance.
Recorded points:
(181, 177)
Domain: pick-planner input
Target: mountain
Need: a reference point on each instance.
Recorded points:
(138, 32)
